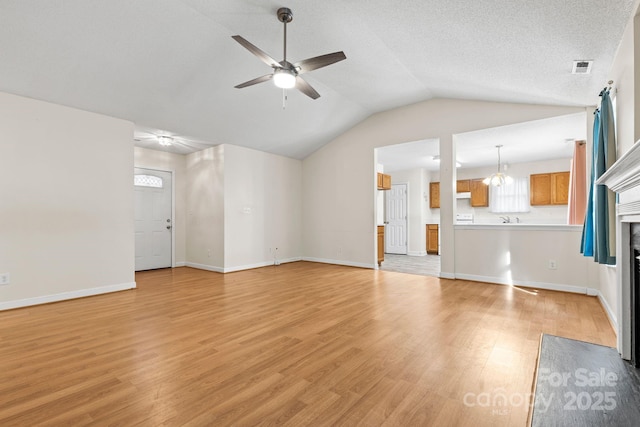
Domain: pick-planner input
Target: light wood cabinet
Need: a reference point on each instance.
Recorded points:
(463, 186)
(380, 244)
(479, 193)
(434, 195)
(384, 181)
(560, 188)
(432, 239)
(549, 188)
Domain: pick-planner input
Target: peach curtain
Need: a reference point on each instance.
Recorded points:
(578, 184)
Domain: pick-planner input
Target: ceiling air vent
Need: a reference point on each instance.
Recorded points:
(582, 67)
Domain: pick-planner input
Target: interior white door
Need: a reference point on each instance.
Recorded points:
(395, 231)
(153, 221)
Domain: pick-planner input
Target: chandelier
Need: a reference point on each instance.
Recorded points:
(497, 179)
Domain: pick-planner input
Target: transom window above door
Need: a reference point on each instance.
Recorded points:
(147, 181)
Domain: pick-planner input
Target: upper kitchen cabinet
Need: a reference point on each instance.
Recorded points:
(549, 188)
(463, 186)
(434, 195)
(479, 193)
(384, 181)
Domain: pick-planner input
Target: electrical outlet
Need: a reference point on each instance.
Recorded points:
(4, 279)
(209, 253)
(553, 265)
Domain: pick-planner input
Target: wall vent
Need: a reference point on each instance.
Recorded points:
(582, 67)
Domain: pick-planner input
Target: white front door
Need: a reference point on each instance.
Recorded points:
(153, 221)
(395, 232)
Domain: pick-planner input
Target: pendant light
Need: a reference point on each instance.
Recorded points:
(497, 179)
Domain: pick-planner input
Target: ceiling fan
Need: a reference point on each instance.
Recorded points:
(286, 75)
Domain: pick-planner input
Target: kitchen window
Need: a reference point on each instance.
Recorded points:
(510, 198)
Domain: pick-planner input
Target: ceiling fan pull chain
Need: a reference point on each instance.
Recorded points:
(284, 99)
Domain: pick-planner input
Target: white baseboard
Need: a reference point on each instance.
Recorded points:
(608, 311)
(81, 293)
(260, 264)
(445, 275)
(417, 253)
(239, 267)
(180, 264)
(340, 262)
(526, 284)
(204, 267)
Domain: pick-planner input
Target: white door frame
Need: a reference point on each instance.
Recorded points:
(173, 207)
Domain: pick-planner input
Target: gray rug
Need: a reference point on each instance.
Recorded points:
(583, 384)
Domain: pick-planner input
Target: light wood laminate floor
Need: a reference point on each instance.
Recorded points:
(298, 344)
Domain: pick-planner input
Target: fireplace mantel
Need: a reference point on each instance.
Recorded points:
(624, 174)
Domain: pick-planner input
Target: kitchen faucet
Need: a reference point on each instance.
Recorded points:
(505, 219)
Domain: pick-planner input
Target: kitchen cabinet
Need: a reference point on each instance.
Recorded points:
(432, 239)
(549, 188)
(380, 244)
(384, 181)
(434, 195)
(463, 186)
(479, 193)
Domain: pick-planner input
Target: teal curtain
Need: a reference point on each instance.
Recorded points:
(586, 247)
(599, 232)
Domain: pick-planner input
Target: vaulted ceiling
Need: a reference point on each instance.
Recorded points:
(170, 66)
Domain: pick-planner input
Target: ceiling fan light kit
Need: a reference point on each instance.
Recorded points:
(286, 75)
(164, 140)
(284, 79)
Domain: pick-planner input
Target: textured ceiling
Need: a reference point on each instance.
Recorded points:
(170, 66)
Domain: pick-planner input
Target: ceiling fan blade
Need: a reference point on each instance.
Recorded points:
(310, 64)
(306, 88)
(255, 81)
(257, 51)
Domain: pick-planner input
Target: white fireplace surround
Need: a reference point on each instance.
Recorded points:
(623, 177)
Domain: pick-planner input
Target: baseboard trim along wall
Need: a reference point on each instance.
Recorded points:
(526, 284)
(417, 253)
(607, 309)
(340, 262)
(260, 264)
(45, 299)
(204, 267)
(180, 264)
(239, 267)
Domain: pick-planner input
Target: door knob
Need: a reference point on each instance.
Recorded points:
(168, 227)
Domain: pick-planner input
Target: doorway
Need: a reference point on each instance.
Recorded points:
(153, 219)
(396, 226)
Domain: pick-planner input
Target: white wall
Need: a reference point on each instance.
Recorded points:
(339, 181)
(416, 234)
(520, 254)
(176, 163)
(627, 128)
(262, 206)
(66, 216)
(205, 209)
